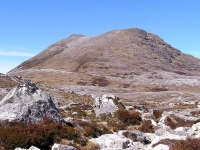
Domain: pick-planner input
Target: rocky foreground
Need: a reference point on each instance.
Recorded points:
(107, 124)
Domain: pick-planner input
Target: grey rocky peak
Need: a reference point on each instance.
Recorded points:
(27, 103)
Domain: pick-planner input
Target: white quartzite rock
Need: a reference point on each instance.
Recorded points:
(112, 142)
(31, 148)
(27, 103)
(105, 104)
(118, 142)
(161, 147)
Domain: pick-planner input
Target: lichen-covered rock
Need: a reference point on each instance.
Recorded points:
(27, 103)
(107, 104)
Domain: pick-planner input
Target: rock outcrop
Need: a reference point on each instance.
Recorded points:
(27, 103)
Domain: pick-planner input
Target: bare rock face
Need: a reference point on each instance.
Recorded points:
(27, 103)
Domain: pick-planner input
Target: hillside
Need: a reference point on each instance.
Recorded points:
(112, 53)
(130, 63)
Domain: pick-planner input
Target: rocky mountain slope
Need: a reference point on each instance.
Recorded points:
(137, 66)
(113, 53)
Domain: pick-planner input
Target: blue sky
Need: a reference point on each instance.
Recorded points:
(29, 26)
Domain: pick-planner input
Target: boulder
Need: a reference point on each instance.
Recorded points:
(27, 103)
(112, 141)
(106, 104)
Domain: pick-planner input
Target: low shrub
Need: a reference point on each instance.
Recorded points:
(90, 129)
(114, 125)
(195, 113)
(100, 81)
(174, 122)
(127, 117)
(157, 113)
(146, 126)
(40, 135)
(130, 135)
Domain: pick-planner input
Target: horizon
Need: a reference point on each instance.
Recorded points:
(28, 27)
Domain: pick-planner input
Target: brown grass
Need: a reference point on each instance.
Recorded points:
(188, 144)
(147, 126)
(174, 122)
(41, 135)
(100, 81)
(128, 118)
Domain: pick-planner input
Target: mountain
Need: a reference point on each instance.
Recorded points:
(112, 53)
(123, 62)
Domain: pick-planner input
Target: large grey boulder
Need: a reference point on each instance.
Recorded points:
(27, 103)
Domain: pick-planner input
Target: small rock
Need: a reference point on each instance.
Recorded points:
(62, 147)
(161, 147)
(31, 148)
